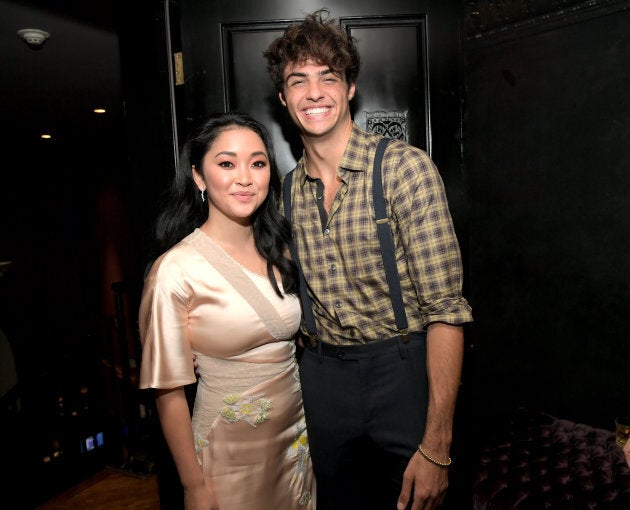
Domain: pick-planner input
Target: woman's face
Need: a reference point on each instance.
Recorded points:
(236, 173)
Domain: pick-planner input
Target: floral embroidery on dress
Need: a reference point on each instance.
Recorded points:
(296, 375)
(200, 444)
(299, 450)
(254, 410)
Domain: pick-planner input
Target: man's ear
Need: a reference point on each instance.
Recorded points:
(282, 99)
(351, 91)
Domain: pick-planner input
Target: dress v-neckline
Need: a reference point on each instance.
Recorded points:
(234, 273)
(227, 254)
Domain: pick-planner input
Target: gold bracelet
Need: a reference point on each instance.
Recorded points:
(432, 460)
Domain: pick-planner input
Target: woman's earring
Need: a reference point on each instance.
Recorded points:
(203, 195)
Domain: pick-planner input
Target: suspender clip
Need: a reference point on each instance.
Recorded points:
(404, 333)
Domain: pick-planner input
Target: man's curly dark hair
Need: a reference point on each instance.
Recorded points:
(318, 38)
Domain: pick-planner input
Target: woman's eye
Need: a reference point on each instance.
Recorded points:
(260, 164)
(226, 164)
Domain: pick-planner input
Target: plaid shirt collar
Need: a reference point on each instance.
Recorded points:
(355, 157)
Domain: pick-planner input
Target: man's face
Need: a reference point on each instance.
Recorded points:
(317, 99)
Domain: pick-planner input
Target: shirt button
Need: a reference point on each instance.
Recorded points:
(333, 268)
(338, 304)
(326, 231)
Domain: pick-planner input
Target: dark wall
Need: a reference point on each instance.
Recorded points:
(546, 144)
(144, 53)
(75, 217)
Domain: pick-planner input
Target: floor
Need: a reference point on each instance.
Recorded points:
(109, 489)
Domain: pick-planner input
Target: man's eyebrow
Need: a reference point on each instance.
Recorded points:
(296, 74)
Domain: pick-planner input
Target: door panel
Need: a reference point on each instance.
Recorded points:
(248, 87)
(392, 84)
(394, 96)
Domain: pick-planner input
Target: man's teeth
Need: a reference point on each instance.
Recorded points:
(315, 111)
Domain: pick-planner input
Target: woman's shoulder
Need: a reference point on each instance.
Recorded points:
(174, 260)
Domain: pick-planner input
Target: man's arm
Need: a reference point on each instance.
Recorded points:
(445, 353)
(429, 481)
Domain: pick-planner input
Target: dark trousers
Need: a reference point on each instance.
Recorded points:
(365, 412)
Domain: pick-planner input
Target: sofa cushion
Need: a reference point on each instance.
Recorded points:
(537, 461)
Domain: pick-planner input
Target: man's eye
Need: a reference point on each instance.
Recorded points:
(296, 82)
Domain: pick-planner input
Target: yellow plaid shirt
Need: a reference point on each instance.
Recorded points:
(340, 252)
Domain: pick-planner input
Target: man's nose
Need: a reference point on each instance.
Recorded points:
(314, 91)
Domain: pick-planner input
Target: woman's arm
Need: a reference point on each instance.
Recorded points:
(174, 413)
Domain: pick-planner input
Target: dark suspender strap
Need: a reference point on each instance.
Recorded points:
(307, 307)
(387, 251)
(387, 243)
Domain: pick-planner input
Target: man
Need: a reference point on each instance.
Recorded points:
(379, 403)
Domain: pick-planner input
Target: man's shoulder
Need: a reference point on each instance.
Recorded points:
(369, 140)
(298, 170)
(296, 174)
(401, 153)
(361, 137)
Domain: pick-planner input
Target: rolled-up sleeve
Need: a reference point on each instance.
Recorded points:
(431, 246)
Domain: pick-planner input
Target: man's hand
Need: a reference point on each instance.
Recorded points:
(424, 483)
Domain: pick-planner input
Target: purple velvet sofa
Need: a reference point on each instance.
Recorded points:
(537, 461)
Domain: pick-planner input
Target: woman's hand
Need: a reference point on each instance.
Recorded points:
(201, 497)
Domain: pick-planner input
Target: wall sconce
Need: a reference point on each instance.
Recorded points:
(33, 37)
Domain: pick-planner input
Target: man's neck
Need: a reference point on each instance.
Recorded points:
(324, 154)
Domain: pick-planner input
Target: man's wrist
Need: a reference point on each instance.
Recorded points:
(427, 456)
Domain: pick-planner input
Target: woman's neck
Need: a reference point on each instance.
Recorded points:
(230, 235)
(238, 242)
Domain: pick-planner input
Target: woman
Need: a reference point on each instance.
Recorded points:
(225, 293)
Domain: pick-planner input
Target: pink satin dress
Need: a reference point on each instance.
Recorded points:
(248, 418)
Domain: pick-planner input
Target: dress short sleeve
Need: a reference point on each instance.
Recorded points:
(163, 323)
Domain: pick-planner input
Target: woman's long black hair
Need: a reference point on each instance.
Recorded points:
(184, 210)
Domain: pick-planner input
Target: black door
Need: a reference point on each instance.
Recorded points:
(408, 86)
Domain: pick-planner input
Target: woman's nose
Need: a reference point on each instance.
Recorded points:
(244, 175)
